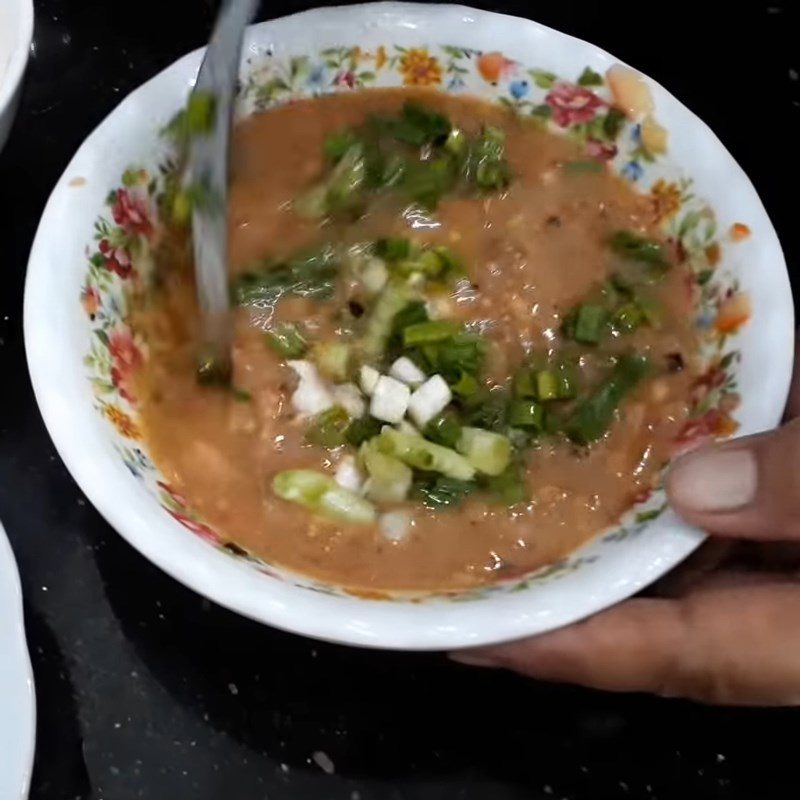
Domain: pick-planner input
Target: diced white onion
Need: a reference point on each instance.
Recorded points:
(389, 400)
(374, 275)
(405, 370)
(368, 378)
(348, 475)
(395, 525)
(429, 400)
(312, 394)
(348, 396)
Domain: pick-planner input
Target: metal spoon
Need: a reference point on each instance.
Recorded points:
(208, 168)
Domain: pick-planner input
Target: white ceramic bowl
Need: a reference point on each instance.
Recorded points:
(80, 350)
(17, 697)
(16, 35)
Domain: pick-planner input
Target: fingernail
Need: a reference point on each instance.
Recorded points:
(716, 480)
(472, 660)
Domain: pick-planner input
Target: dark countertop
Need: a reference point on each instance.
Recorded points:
(146, 690)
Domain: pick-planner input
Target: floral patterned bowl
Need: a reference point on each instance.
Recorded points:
(95, 240)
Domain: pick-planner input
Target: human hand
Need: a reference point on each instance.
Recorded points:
(725, 627)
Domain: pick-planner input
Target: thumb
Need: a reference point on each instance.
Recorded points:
(747, 488)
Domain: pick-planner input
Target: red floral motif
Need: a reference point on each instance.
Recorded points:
(714, 424)
(127, 360)
(202, 530)
(117, 259)
(173, 493)
(602, 151)
(130, 212)
(347, 78)
(572, 104)
(711, 379)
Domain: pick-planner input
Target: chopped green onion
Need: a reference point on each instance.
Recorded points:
(583, 166)
(456, 142)
(389, 478)
(393, 248)
(590, 320)
(241, 395)
(525, 384)
(425, 182)
(509, 487)
(337, 144)
(418, 125)
(628, 317)
(430, 332)
(332, 359)
(488, 452)
(487, 409)
(651, 310)
(639, 248)
(346, 181)
(362, 429)
(528, 414)
(287, 340)
(593, 415)
(328, 428)
(322, 495)
(394, 298)
(422, 454)
(466, 385)
(444, 429)
(441, 492)
(547, 385)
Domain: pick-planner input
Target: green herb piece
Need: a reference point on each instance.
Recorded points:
(526, 414)
(393, 248)
(589, 325)
(593, 415)
(362, 429)
(241, 395)
(444, 430)
(422, 454)
(337, 144)
(441, 492)
(322, 495)
(525, 383)
(389, 478)
(457, 142)
(418, 125)
(452, 357)
(394, 298)
(487, 410)
(639, 248)
(547, 385)
(332, 359)
(466, 385)
(488, 452)
(311, 275)
(590, 78)
(287, 340)
(628, 318)
(328, 428)
(426, 182)
(430, 332)
(509, 487)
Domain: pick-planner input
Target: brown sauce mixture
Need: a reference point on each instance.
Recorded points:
(532, 252)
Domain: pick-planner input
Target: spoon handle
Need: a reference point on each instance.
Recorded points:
(208, 170)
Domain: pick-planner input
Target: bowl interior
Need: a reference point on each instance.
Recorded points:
(90, 250)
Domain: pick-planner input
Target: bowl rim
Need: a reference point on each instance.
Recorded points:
(344, 620)
(20, 52)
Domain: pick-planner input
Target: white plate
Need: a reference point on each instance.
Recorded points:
(17, 697)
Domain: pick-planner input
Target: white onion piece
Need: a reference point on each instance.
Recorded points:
(368, 379)
(389, 400)
(348, 475)
(429, 400)
(312, 394)
(395, 525)
(350, 399)
(405, 370)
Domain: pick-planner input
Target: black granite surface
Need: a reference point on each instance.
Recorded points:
(147, 690)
